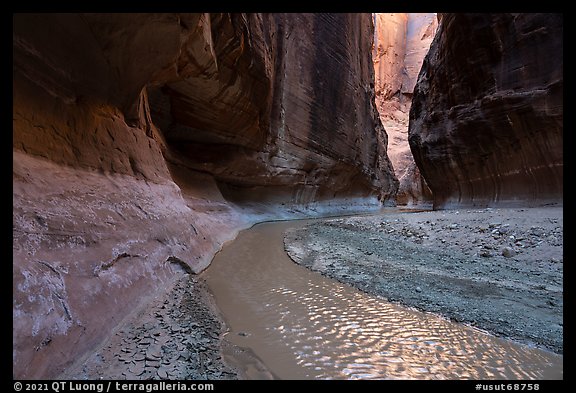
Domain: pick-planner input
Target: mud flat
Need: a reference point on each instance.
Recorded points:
(497, 269)
(176, 337)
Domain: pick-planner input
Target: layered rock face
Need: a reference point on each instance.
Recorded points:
(401, 41)
(486, 123)
(140, 141)
(265, 115)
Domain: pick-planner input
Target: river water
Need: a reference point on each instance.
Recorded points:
(303, 325)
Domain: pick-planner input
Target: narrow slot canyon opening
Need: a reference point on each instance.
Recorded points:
(401, 41)
(151, 153)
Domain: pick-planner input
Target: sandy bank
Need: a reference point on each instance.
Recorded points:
(500, 269)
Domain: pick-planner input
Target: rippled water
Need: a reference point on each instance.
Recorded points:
(304, 325)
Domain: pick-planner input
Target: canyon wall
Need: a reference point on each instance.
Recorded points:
(486, 123)
(143, 142)
(401, 40)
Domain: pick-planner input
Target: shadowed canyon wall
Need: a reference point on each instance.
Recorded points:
(401, 40)
(486, 123)
(142, 142)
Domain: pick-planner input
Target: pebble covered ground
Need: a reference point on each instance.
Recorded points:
(500, 270)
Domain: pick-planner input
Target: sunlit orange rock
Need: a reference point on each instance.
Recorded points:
(401, 40)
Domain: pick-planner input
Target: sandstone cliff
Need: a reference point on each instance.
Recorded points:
(486, 123)
(279, 110)
(142, 142)
(400, 43)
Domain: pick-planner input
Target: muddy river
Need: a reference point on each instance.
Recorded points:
(303, 325)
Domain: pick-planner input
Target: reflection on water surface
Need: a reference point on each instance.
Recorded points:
(303, 325)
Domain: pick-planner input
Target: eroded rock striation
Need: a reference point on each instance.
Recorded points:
(133, 134)
(401, 40)
(140, 142)
(486, 123)
(268, 112)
